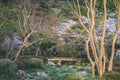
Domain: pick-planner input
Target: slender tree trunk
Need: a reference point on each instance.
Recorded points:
(90, 59)
(37, 52)
(104, 63)
(93, 69)
(18, 52)
(22, 48)
(102, 41)
(99, 55)
(113, 52)
(110, 66)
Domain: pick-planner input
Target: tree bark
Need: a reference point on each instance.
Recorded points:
(18, 53)
(90, 59)
(37, 51)
(99, 55)
(110, 66)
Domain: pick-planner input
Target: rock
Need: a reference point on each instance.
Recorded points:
(83, 73)
(87, 68)
(36, 59)
(24, 75)
(29, 79)
(42, 74)
(61, 74)
(58, 66)
(79, 67)
(51, 63)
(71, 66)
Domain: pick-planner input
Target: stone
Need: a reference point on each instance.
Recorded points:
(70, 67)
(51, 63)
(82, 73)
(87, 68)
(36, 59)
(58, 66)
(23, 74)
(29, 79)
(42, 74)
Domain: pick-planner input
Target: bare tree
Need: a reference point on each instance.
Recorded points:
(98, 47)
(117, 3)
(99, 59)
(33, 28)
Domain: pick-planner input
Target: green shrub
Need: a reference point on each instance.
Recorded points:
(65, 51)
(7, 68)
(27, 64)
(113, 75)
(58, 78)
(116, 63)
(116, 68)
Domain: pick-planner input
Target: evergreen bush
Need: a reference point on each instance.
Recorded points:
(7, 68)
(27, 64)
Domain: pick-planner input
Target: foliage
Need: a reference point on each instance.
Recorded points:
(59, 78)
(52, 71)
(46, 44)
(45, 47)
(66, 51)
(3, 52)
(110, 5)
(7, 1)
(112, 75)
(28, 64)
(7, 68)
(66, 11)
(71, 50)
(8, 20)
(116, 65)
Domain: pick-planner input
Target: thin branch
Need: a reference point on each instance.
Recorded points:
(88, 12)
(82, 24)
(24, 13)
(20, 26)
(75, 7)
(35, 42)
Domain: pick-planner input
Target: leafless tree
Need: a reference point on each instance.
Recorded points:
(34, 26)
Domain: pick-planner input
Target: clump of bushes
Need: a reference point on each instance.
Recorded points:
(58, 78)
(113, 75)
(116, 66)
(116, 63)
(65, 51)
(28, 64)
(7, 68)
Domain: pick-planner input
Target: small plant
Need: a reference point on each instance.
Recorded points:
(112, 75)
(7, 68)
(26, 64)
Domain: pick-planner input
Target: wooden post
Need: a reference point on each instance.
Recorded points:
(59, 62)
